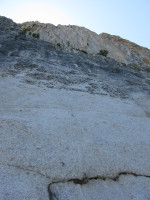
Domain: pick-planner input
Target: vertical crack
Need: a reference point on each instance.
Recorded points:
(49, 192)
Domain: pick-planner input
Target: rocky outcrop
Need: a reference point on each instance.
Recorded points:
(72, 125)
(75, 38)
(133, 53)
(8, 29)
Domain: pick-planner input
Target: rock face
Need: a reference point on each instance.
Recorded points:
(72, 125)
(8, 29)
(81, 39)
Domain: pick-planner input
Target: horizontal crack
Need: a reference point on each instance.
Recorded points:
(26, 169)
(86, 179)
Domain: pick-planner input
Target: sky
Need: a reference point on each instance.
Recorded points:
(129, 19)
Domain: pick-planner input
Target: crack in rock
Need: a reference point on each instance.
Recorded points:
(86, 179)
(26, 169)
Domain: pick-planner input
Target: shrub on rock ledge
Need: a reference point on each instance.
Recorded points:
(58, 44)
(103, 53)
(36, 35)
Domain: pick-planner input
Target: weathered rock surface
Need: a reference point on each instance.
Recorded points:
(81, 39)
(72, 125)
(18, 183)
(127, 187)
(8, 29)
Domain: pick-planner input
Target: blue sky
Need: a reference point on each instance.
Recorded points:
(129, 19)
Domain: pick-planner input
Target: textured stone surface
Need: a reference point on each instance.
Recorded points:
(8, 29)
(79, 38)
(66, 134)
(127, 187)
(18, 183)
(69, 118)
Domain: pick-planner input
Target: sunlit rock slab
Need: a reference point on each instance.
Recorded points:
(64, 134)
(17, 183)
(127, 187)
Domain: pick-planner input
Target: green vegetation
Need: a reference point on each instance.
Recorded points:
(124, 64)
(68, 43)
(36, 35)
(58, 44)
(103, 53)
(25, 30)
(83, 51)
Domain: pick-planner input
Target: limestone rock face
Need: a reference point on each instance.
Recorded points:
(133, 53)
(81, 39)
(72, 125)
(8, 29)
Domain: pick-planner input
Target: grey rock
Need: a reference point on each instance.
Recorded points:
(64, 115)
(75, 38)
(17, 183)
(127, 187)
(8, 29)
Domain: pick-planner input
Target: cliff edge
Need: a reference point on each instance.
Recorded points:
(75, 38)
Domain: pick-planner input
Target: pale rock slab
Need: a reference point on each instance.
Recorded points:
(18, 183)
(77, 38)
(63, 134)
(65, 116)
(127, 187)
